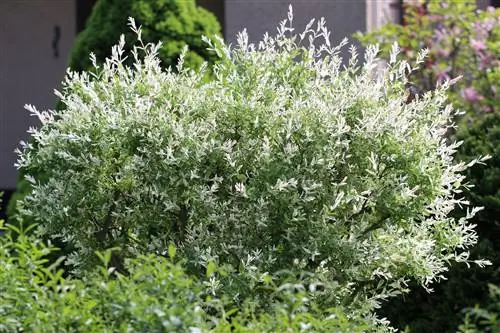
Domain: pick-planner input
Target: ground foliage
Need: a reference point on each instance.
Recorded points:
(156, 295)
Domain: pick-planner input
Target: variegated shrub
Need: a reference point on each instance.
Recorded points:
(287, 159)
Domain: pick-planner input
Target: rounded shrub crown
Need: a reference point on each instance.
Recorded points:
(174, 22)
(283, 160)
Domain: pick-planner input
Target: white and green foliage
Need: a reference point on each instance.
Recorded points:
(156, 295)
(286, 160)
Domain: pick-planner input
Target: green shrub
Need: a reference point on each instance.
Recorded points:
(176, 23)
(282, 162)
(482, 135)
(461, 41)
(155, 296)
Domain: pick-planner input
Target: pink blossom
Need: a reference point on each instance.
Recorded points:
(477, 45)
(489, 24)
(456, 31)
(435, 18)
(486, 61)
(439, 34)
(471, 95)
(443, 52)
(486, 108)
(480, 30)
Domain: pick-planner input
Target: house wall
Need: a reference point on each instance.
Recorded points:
(32, 63)
(343, 17)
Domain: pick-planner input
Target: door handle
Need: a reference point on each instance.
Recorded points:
(55, 41)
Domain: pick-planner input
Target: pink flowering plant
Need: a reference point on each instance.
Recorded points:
(462, 41)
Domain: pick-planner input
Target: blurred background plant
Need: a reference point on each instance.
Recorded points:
(483, 319)
(462, 41)
(176, 23)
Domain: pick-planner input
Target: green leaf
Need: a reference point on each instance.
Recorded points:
(210, 269)
(171, 251)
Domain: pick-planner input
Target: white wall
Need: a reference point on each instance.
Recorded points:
(28, 69)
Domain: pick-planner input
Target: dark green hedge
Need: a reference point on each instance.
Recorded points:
(176, 23)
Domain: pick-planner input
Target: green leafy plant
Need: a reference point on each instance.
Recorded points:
(282, 162)
(156, 295)
(461, 41)
(176, 23)
(483, 319)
